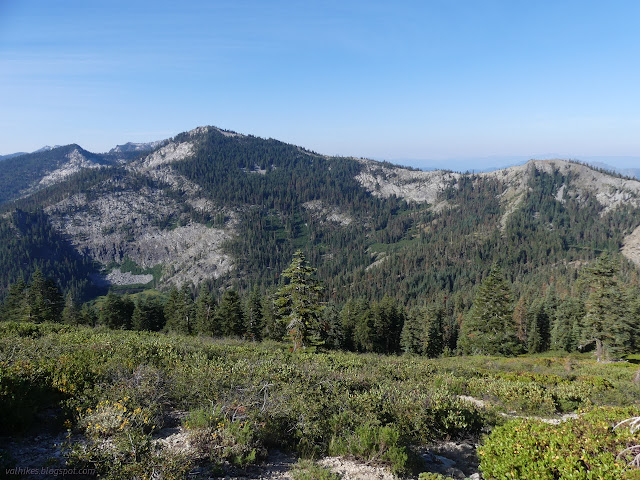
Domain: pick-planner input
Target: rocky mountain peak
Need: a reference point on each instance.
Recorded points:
(130, 147)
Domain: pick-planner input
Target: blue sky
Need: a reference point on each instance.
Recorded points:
(451, 82)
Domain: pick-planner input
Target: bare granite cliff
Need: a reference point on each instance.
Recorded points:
(144, 213)
(118, 220)
(611, 192)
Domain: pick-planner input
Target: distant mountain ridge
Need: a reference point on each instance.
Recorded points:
(137, 147)
(11, 155)
(216, 206)
(630, 172)
(25, 173)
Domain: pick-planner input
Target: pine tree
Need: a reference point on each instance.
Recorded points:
(607, 321)
(116, 311)
(298, 302)
(230, 314)
(148, 314)
(434, 333)
(489, 328)
(71, 312)
(14, 307)
(412, 336)
(206, 318)
(254, 323)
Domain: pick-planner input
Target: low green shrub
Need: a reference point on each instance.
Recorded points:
(306, 469)
(269, 397)
(523, 396)
(582, 448)
(218, 436)
(119, 445)
(128, 457)
(432, 476)
(109, 418)
(373, 443)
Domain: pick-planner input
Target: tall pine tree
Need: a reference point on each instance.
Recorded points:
(298, 302)
(489, 328)
(607, 321)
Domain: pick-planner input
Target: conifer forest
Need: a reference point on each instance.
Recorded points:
(222, 304)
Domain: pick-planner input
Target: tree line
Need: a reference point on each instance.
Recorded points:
(601, 313)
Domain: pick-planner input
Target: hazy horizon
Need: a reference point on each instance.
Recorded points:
(461, 164)
(431, 81)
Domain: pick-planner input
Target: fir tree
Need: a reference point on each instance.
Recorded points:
(148, 314)
(388, 320)
(254, 323)
(230, 314)
(71, 312)
(298, 302)
(349, 315)
(607, 320)
(567, 326)
(179, 311)
(520, 320)
(206, 318)
(451, 330)
(364, 331)
(116, 311)
(412, 336)
(489, 328)
(433, 337)
(88, 315)
(14, 306)
(539, 337)
(274, 327)
(43, 299)
(331, 330)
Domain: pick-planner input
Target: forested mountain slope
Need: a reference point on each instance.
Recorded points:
(215, 206)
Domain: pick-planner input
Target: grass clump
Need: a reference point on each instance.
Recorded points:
(373, 444)
(306, 469)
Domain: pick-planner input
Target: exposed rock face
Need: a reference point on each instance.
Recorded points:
(631, 246)
(426, 187)
(328, 213)
(76, 162)
(416, 186)
(170, 153)
(189, 254)
(611, 192)
(118, 220)
(117, 277)
(136, 147)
